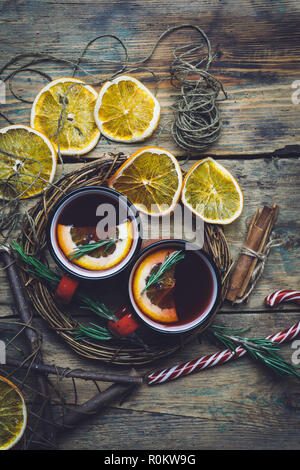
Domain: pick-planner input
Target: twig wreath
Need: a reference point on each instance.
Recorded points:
(61, 320)
(196, 125)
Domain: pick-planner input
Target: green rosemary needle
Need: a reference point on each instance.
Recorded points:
(99, 332)
(262, 350)
(168, 263)
(94, 331)
(82, 250)
(35, 266)
(97, 307)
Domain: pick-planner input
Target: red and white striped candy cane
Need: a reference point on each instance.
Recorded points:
(282, 296)
(212, 360)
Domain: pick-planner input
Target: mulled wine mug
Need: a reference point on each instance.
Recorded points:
(86, 208)
(188, 303)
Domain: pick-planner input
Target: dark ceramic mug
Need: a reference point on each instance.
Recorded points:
(201, 286)
(80, 207)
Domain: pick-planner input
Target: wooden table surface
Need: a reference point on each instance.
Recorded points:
(257, 56)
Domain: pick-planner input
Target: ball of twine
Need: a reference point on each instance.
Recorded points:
(62, 320)
(197, 123)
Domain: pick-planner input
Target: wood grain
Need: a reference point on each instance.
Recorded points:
(256, 46)
(257, 55)
(159, 431)
(263, 182)
(233, 406)
(238, 405)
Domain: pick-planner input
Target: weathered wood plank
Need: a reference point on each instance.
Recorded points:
(195, 394)
(256, 47)
(235, 375)
(125, 430)
(237, 405)
(263, 181)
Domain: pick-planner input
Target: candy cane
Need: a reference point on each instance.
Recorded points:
(212, 360)
(282, 296)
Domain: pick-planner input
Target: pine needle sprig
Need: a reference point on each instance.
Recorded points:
(94, 331)
(35, 267)
(38, 269)
(168, 263)
(99, 308)
(98, 332)
(262, 350)
(82, 250)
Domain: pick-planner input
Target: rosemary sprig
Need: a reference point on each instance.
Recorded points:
(99, 308)
(168, 263)
(35, 266)
(38, 269)
(262, 350)
(94, 331)
(82, 250)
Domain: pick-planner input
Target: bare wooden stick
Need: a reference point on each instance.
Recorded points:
(48, 433)
(93, 406)
(76, 373)
(79, 413)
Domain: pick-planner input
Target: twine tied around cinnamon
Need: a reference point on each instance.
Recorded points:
(274, 241)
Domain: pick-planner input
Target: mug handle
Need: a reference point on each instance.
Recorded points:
(126, 325)
(66, 289)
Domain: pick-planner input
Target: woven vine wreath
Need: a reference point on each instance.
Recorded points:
(59, 317)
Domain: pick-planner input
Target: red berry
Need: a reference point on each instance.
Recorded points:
(66, 289)
(126, 325)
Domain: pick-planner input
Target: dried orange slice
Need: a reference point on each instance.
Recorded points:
(80, 133)
(69, 238)
(157, 302)
(212, 193)
(126, 111)
(13, 414)
(151, 179)
(34, 169)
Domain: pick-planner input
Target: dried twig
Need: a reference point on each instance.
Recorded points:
(75, 373)
(94, 405)
(48, 432)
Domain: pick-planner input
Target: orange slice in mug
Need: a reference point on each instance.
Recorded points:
(157, 301)
(70, 237)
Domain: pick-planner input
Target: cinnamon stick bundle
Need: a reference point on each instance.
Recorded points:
(259, 231)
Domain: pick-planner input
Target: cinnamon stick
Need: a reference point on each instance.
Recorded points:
(261, 247)
(259, 230)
